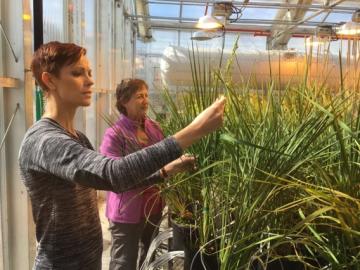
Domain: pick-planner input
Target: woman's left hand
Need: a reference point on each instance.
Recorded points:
(184, 163)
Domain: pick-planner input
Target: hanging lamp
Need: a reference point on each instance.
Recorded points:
(352, 27)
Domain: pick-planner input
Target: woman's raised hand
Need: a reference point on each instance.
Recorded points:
(206, 122)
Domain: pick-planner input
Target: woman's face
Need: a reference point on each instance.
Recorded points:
(138, 104)
(73, 85)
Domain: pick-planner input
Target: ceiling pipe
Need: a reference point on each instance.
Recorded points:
(255, 32)
(279, 41)
(309, 18)
(294, 35)
(239, 22)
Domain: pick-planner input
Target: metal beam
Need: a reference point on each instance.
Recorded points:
(280, 38)
(257, 30)
(156, 19)
(314, 15)
(276, 41)
(265, 4)
(144, 24)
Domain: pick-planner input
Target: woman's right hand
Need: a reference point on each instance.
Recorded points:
(206, 122)
(183, 164)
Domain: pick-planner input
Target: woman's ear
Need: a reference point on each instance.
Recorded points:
(48, 80)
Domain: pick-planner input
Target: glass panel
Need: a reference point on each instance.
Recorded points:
(164, 10)
(54, 21)
(299, 45)
(339, 17)
(318, 18)
(185, 39)
(162, 39)
(258, 13)
(193, 11)
(248, 42)
(333, 17)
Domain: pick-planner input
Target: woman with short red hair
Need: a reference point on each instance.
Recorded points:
(61, 170)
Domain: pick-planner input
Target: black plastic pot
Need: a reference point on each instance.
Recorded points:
(186, 238)
(285, 264)
(183, 235)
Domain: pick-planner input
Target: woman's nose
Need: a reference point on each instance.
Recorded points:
(90, 81)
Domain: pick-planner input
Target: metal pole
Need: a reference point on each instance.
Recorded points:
(8, 43)
(38, 23)
(8, 127)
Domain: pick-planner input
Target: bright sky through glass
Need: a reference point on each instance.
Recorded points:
(258, 13)
(339, 17)
(162, 10)
(196, 10)
(192, 11)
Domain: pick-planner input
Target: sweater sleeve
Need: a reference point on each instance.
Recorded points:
(67, 159)
(113, 146)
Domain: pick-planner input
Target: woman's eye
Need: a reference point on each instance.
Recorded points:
(76, 73)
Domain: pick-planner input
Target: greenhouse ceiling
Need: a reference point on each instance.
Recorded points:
(276, 19)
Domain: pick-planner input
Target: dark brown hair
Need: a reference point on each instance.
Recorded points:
(52, 57)
(125, 90)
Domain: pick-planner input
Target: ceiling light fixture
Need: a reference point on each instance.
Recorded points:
(349, 29)
(323, 34)
(208, 22)
(206, 34)
(201, 36)
(352, 27)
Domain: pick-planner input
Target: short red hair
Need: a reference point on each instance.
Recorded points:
(52, 57)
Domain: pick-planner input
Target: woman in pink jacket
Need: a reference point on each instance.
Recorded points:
(133, 215)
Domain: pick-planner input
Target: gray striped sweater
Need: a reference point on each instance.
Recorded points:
(61, 174)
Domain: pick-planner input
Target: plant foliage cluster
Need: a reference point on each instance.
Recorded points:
(281, 179)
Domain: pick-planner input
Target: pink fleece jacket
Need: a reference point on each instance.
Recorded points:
(120, 140)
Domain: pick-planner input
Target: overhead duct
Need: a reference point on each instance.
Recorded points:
(260, 68)
(279, 37)
(143, 21)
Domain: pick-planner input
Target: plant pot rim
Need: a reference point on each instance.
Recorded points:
(183, 225)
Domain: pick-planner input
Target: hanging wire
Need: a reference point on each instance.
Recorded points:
(8, 127)
(237, 12)
(206, 8)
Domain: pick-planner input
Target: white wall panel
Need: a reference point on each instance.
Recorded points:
(17, 227)
(101, 27)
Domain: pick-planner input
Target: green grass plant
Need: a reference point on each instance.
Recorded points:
(281, 179)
